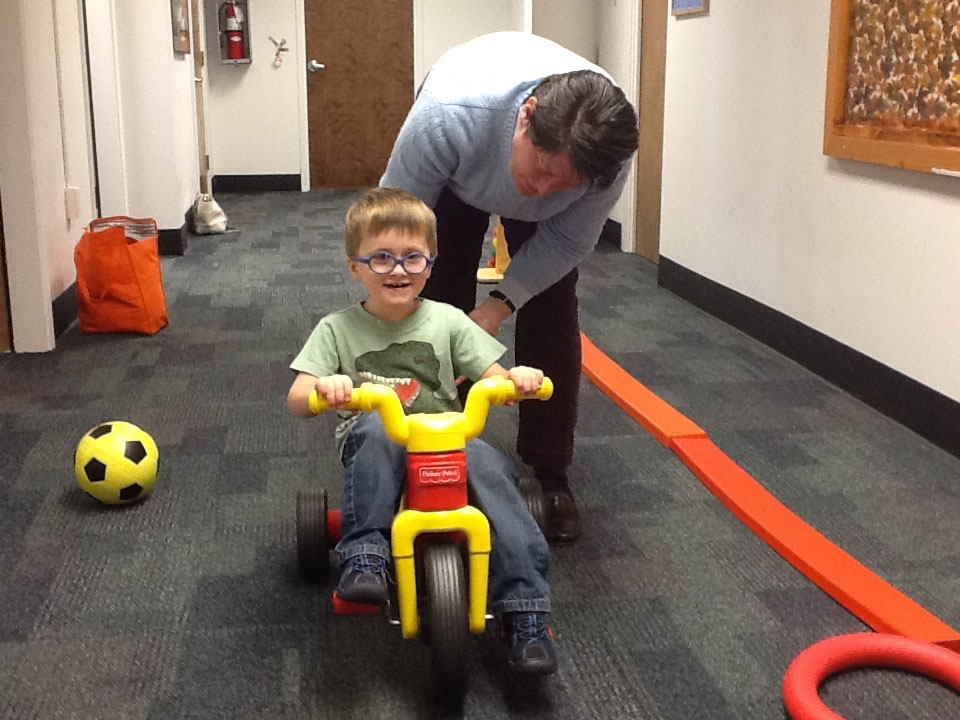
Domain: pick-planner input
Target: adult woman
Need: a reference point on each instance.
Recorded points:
(515, 125)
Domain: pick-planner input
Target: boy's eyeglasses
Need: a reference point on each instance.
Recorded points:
(383, 262)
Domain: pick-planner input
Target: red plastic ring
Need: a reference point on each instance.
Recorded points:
(801, 683)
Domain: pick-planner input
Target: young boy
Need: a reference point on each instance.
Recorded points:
(419, 347)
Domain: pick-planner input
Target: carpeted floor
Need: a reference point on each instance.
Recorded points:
(188, 605)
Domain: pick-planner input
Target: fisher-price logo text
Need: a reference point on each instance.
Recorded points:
(442, 475)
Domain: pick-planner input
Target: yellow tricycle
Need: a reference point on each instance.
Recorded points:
(436, 533)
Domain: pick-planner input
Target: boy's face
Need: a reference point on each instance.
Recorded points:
(396, 291)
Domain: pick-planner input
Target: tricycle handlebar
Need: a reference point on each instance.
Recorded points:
(496, 390)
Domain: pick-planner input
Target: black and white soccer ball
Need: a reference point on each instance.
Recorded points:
(116, 462)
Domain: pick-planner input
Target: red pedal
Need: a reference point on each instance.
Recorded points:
(342, 607)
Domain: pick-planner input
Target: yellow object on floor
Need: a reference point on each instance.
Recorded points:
(501, 258)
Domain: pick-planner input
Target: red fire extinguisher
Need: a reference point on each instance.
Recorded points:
(234, 31)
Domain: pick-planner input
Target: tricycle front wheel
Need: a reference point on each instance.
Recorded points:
(313, 547)
(447, 629)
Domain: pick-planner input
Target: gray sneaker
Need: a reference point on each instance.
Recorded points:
(363, 579)
(529, 642)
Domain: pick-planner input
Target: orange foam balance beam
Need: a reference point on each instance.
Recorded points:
(658, 417)
(861, 591)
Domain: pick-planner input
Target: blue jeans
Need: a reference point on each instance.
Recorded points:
(375, 469)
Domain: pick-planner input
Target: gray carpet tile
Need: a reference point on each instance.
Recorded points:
(188, 604)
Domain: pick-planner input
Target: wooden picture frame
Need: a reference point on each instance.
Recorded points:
(180, 23)
(683, 8)
(893, 89)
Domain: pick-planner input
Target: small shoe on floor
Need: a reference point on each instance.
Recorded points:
(529, 641)
(363, 579)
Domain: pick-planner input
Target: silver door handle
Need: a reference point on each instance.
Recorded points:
(314, 66)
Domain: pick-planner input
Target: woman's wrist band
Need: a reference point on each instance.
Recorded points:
(497, 295)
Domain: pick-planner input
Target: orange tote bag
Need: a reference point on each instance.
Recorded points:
(119, 279)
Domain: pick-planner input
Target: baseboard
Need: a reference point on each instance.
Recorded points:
(254, 183)
(64, 310)
(925, 411)
(173, 241)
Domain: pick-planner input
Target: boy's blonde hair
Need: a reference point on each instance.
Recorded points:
(383, 209)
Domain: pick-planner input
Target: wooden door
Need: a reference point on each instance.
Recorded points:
(649, 164)
(6, 337)
(358, 102)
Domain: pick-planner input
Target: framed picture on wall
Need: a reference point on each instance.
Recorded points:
(690, 7)
(893, 84)
(179, 17)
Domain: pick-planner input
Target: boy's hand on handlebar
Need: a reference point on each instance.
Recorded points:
(336, 390)
(527, 380)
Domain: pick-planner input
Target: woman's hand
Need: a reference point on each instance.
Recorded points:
(490, 314)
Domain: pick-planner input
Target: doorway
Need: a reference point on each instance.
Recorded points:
(360, 88)
(649, 164)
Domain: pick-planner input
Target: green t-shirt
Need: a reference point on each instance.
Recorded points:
(420, 356)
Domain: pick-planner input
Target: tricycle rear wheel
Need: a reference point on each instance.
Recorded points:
(447, 627)
(533, 495)
(313, 548)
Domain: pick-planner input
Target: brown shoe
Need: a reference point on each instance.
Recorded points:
(562, 518)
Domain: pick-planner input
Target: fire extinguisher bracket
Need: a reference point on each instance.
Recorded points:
(233, 22)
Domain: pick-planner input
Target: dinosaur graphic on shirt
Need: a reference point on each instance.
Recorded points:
(409, 368)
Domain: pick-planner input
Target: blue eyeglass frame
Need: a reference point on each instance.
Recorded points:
(400, 260)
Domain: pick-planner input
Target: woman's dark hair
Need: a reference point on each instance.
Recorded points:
(584, 114)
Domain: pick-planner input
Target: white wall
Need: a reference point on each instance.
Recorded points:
(438, 25)
(572, 23)
(867, 254)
